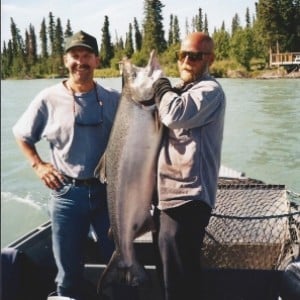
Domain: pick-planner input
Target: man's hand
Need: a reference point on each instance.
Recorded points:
(160, 87)
(48, 174)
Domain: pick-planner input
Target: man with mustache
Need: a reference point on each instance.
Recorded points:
(188, 165)
(75, 117)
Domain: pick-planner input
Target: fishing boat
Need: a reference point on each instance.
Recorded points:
(251, 240)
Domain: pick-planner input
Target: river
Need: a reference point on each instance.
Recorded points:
(261, 138)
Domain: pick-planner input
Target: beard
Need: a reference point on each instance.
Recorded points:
(190, 74)
(187, 76)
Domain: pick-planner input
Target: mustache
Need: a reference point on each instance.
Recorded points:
(81, 66)
(187, 68)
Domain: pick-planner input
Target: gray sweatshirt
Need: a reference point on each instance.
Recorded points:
(190, 154)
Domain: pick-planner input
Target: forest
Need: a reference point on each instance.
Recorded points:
(274, 27)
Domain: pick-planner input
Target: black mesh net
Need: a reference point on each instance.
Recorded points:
(253, 226)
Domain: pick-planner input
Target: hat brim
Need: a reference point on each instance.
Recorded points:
(80, 45)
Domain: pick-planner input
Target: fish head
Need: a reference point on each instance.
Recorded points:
(139, 80)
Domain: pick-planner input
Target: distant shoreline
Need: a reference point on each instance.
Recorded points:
(263, 74)
(276, 75)
(231, 74)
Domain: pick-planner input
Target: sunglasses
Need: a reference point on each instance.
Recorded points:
(192, 56)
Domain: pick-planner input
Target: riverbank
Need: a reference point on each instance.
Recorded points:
(277, 74)
(262, 74)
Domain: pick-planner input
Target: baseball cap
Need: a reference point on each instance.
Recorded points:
(82, 39)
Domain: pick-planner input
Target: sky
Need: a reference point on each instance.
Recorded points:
(88, 15)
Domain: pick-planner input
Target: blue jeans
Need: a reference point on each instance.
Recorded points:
(72, 210)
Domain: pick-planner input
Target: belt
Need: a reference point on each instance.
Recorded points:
(81, 182)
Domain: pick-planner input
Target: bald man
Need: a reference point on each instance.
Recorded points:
(188, 165)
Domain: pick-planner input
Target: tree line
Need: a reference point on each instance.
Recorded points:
(275, 26)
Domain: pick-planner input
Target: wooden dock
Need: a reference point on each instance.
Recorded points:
(285, 59)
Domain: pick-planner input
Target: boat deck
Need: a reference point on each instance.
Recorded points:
(219, 283)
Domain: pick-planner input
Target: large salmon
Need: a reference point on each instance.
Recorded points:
(129, 168)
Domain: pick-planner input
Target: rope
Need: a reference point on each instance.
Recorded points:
(255, 217)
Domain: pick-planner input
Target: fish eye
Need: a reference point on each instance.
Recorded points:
(132, 75)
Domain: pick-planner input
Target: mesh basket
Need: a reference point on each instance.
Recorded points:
(252, 227)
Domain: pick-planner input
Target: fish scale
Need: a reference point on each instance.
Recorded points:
(129, 168)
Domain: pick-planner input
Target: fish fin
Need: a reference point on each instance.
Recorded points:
(100, 171)
(110, 233)
(148, 225)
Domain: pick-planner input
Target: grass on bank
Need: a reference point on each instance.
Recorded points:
(219, 69)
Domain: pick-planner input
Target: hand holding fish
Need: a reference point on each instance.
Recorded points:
(160, 87)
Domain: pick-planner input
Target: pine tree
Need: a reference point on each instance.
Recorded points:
(279, 22)
(6, 60)
(199, 21)
(51, 32)
(129, 43)
(137, 35)
(68, 32)
(18, 67)
(31, 46)
(176, 31)
(289, 12)
(205, 27)
(58, 39)
(106, 51)
(171, 29)
(43, 38)
(58, 50)
(187, 27)
(235, 24)
(153, 27)
(248, 21)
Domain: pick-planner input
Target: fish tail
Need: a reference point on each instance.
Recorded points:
(116, 272)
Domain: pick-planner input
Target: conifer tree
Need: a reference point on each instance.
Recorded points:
(205, 26)
(43, 38)
(129, 43)
(6, 60)
(51, 32)
(106, 51)
(153, 27)
(176, 31)
(199, 21)
(68, 32)
(235, 24)
(31, 46)
(138, 36)
(58, 39)
(248, 21)
(171, 29)
(187, 27)
(18, 66)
